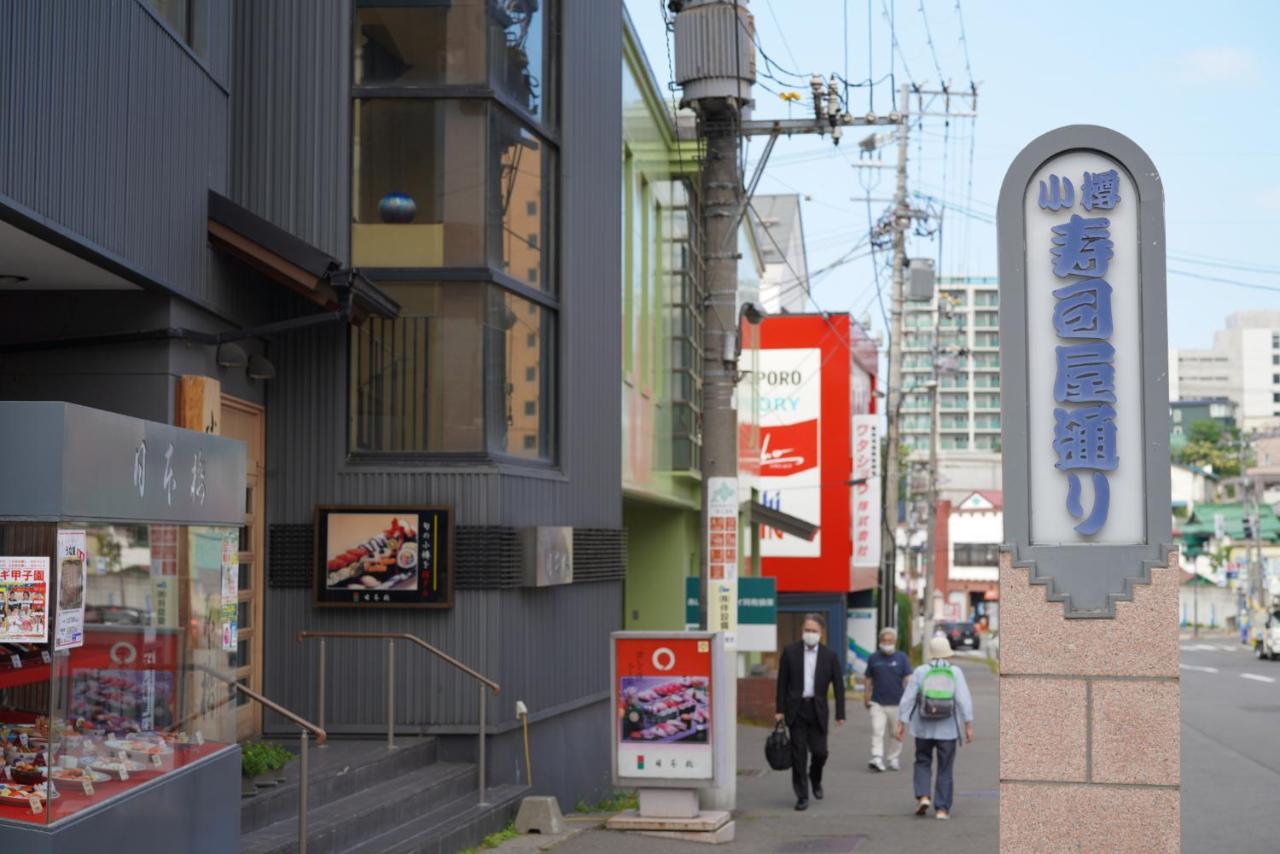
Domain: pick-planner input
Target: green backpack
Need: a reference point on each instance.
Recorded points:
(937, 698)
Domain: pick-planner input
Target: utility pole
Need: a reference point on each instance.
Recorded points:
(893, 380)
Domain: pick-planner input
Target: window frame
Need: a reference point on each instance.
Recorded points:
(483, 275)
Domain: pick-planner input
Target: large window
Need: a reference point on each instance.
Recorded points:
(429, 43)
(415, 382)
(976, 554)
(189, 20)
(454, 170)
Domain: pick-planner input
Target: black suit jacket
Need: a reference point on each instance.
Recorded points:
(827, 672)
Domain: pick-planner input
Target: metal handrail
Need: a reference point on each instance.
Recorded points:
(391, 638)
(303, 724)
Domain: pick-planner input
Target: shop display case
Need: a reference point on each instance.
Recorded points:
(118, 613)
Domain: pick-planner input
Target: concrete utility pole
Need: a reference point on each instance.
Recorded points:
(893, 379)
(715, 66)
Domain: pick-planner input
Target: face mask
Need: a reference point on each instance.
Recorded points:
(887, 648)
(811, 638)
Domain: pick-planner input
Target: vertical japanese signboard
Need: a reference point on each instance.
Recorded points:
(1084, 361)
(664, 697)
(722, 556)
(866, 499)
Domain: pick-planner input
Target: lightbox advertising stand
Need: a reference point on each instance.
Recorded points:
(668, 730)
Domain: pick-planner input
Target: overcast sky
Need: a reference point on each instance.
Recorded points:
(1193, 84)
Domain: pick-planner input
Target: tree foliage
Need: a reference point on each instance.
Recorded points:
(1211, 445)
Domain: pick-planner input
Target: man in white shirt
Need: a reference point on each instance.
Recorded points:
(806, 671)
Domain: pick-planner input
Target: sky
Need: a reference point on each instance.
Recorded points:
(1193, 84)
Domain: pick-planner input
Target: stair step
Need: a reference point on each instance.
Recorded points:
(347, 821)
(452, 827)
(335, 771)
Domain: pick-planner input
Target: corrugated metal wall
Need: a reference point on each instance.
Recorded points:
(547, 647)
(113, 130)
(291, 133)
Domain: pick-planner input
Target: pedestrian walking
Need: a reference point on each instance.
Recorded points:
(807, 669)
(933, 707)
(888, 671)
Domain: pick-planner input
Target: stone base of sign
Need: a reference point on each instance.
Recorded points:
(1089, 721)
(540, 814)
(712, 827)
(667, 803)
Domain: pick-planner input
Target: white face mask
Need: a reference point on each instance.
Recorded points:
(887, 648)
(811, 638)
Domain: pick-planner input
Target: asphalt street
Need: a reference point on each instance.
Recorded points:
(1230, 748)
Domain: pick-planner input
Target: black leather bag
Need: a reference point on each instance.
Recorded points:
(777, 748)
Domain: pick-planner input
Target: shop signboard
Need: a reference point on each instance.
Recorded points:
(24, 599)
(866, 501)
(666, 723)
(805, 392)
(397, 557)
(722, 557)
(72, 559)
(757, 612)
(1084, 378)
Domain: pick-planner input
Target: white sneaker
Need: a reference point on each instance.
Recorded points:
(893, 765)
(877, 763)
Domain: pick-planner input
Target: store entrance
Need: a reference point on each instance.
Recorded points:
(246, 422)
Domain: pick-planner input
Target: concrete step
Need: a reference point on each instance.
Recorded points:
(452, 827)
(336, 770)
(343, 823)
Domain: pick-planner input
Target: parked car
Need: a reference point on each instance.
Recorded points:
(961, 635)
(1267, 643)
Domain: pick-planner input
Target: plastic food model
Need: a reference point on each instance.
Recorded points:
(375, 561)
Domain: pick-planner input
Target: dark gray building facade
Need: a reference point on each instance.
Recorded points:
(429, 189)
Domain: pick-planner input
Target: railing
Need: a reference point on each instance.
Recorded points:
(304, 726)
(391, 638)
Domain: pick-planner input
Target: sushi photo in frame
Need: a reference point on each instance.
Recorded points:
(391, 557)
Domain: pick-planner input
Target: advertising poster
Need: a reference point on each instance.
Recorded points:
(72, 569)
(371, 556)
(663, 704)
(790, 475)
(866, 498)
(861, 630)
(24, 599)
(230, 593)
(722, 556)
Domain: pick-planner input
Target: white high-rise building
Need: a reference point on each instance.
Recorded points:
(1243, 365)
(969, 402)
(780, 236)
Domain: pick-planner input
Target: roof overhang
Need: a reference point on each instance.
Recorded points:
(784, 522)
(290, 261)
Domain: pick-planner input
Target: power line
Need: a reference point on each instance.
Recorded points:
(781, 34)
(1238, 283)
(933, 51)
(964, 42)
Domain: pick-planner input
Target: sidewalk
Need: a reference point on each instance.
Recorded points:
(865, 811)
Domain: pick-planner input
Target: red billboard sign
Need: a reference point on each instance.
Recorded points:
(806, 461)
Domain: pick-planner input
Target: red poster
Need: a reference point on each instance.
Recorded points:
(663, 703)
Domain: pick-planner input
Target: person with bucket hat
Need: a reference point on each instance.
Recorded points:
(933, 708)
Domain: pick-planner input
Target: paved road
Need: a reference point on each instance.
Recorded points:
(1230, 748)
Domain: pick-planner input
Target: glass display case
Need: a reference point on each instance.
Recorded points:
(117, 619)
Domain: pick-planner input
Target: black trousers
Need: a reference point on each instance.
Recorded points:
(808, 738)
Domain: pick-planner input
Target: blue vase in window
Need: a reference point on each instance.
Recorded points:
(396, 207)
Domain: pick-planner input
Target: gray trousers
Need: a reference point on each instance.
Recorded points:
(923, 771)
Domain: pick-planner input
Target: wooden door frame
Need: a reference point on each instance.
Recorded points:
(258, 572)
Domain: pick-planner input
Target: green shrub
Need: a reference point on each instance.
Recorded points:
(260, 757)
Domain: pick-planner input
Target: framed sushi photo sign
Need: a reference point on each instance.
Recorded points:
(390, 557)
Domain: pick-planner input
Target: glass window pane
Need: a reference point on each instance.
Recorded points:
(423, 45)
(521, 218)
(520, 335)
(414, 381)
(418, 183)
(518, 55)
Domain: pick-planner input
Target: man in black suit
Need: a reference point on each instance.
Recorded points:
(805, 671)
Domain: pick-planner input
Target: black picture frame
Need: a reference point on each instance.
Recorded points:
(355, 583)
